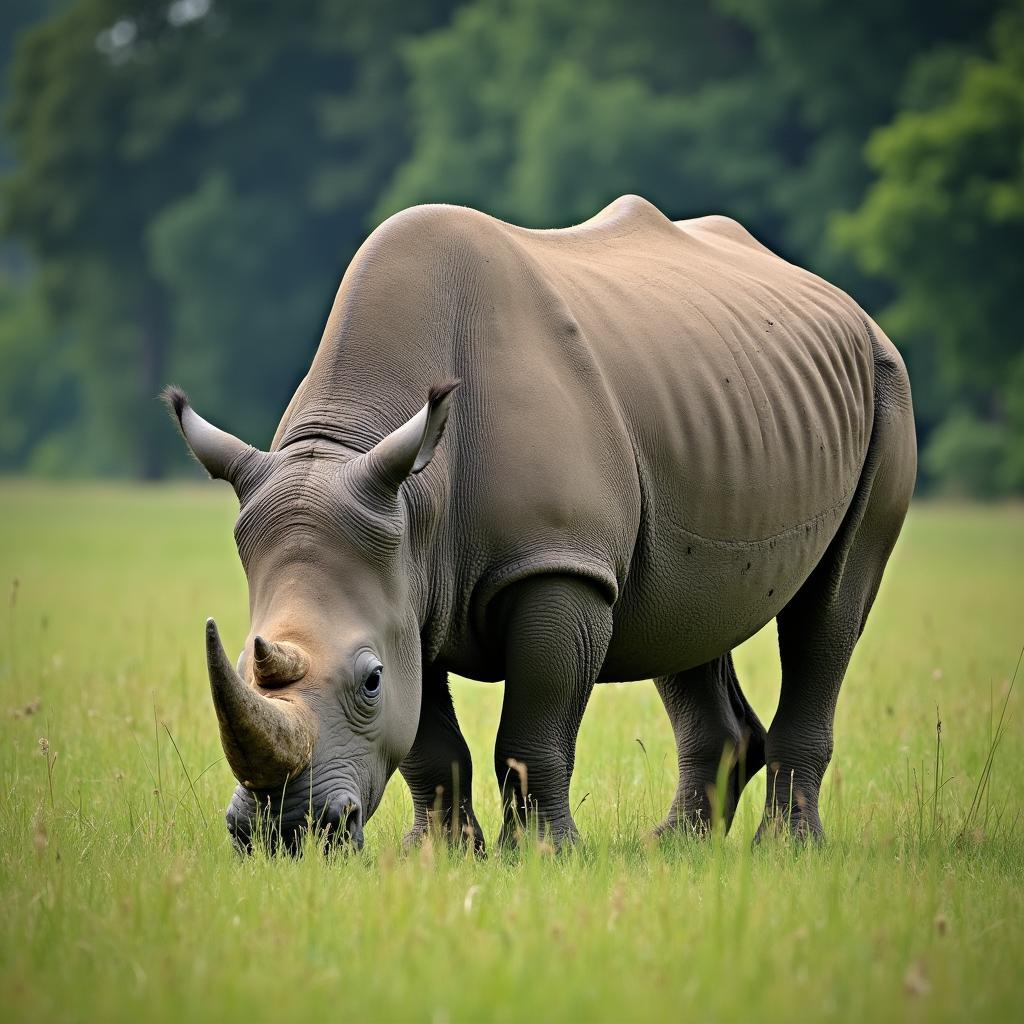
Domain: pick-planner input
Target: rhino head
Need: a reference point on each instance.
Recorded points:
(323, 703)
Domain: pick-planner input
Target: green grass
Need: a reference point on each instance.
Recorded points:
(120, 897)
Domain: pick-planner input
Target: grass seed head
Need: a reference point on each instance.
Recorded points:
(40, 838)
(915, 981)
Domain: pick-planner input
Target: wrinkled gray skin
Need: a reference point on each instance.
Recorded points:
(665, 436)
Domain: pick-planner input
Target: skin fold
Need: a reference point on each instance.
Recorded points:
(559, 458)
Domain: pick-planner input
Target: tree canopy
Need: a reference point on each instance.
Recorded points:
(186, 182)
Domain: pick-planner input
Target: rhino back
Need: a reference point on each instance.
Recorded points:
(745, 382)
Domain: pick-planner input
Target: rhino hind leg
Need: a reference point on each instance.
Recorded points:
(711, 720)
(821, 625)
(557, 630)
(439, 771)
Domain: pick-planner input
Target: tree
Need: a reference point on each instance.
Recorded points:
(38, 396)
(542, 113)
(192, 177)
(944, 223)
(195, 167)
(840, 69)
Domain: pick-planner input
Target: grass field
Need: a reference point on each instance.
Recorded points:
(121, 899)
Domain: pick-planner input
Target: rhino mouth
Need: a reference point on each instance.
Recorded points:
(281, 823)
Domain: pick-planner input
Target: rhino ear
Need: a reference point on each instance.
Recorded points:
(410, 448)
(222, 455)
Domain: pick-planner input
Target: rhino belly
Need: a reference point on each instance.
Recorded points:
(689, 599)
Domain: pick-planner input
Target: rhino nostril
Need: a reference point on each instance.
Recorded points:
(345, 821)
(354, 821)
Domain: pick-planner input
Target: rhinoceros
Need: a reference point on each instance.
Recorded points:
(657, 437)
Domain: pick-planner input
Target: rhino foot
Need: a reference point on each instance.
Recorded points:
(796, 818)
(430, 824)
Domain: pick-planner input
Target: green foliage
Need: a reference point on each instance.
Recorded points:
(543, 113)
(130, 129)
(191, 179)
(38, 410)
(969, 456)
(841, 69)
(123, 899)
(944, 223)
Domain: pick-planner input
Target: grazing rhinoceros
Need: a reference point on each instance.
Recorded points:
(664, 436)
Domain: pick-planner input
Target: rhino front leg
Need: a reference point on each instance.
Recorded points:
(711, 719)
(557, 631)
(439, 770)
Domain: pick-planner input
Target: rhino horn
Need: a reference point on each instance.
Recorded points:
(277, 664)
(267, 740)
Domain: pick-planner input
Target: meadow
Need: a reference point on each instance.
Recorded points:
(121, 898)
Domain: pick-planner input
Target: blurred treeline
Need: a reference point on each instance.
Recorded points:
(184, 182)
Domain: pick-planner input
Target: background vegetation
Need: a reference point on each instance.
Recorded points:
(182, 184)
(123, 901)
(185, 181)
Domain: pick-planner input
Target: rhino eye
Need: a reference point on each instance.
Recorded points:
(368, 672)
(371, 684)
